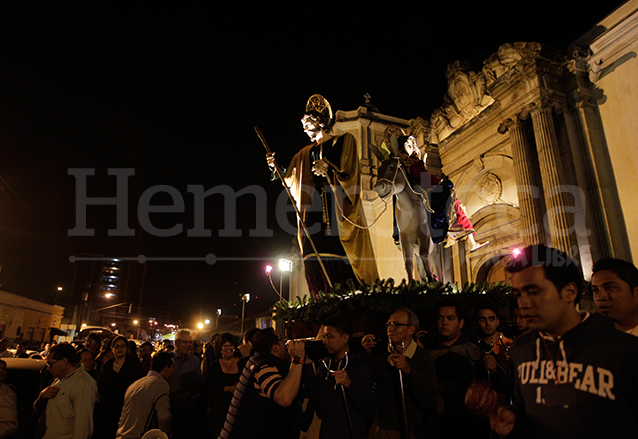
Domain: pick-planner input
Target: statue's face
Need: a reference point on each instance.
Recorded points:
(412, 147)
(312, 127)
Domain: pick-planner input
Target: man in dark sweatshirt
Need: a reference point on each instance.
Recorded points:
(458, 363)
(404, 375)
(338, 379)
(576, 375)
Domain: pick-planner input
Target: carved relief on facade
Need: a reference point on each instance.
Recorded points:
(465, 98)
(490, 189)
(506, 57)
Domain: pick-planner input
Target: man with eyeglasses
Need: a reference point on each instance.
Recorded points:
(187, 385)
(70, 399)
(405, 378)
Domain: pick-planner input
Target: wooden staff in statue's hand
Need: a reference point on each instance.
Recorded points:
(270, 160)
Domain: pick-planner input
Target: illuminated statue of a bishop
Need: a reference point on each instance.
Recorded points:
(325, 182)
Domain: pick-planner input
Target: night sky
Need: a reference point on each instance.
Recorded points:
(173, 92)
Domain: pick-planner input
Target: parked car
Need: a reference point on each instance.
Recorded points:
(102, 331)
(27, 376)
(24, 375)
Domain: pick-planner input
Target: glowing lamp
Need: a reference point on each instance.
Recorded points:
(285, 265)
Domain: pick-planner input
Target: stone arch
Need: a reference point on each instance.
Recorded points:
(492, 270)
(489, 214)
(492, 175)
(498, 224)
(481, 166)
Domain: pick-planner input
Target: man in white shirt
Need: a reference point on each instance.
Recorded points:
(148, 398)
(70, 399)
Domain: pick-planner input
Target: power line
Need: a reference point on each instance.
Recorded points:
(15, 199)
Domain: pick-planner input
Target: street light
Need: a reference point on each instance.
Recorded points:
(284, 266)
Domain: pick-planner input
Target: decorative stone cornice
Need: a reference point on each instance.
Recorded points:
(507, 56)
(542, 104)
(469, 94)
(579, 80)
(615, 42)
(508, 124)
(421, 129)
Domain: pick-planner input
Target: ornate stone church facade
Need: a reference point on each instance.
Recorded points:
(541, 144)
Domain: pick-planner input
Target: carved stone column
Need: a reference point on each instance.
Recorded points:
(608, 211)
(608, 234)
(559, 216)
(528, 187)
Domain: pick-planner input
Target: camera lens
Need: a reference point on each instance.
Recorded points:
(315, 350)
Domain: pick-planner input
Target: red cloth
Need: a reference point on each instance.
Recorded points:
(462, 220)
(424, 179)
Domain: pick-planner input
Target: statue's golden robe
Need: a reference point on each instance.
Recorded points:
(344, 177)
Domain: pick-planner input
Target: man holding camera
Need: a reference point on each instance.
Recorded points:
(264, 403)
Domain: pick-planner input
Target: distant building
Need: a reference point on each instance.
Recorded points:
(100, 282)
(28, 320)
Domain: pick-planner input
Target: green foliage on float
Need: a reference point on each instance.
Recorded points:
(384, 296)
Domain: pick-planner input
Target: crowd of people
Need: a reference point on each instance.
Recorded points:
(559, 373)
(554, 371)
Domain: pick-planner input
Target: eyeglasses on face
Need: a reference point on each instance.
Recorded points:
(395, 324)
(120, 346)
(184, 341)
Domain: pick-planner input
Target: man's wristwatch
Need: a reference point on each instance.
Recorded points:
(297, 360)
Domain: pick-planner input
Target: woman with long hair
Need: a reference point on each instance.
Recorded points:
(221, 380)
(117, 374)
